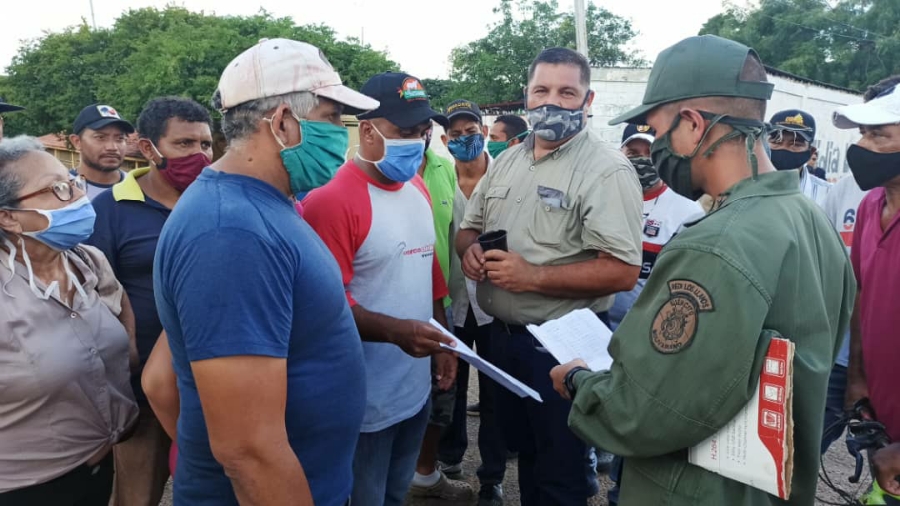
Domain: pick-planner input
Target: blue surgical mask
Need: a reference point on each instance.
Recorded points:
(402, 158)
(68, 226)
(466, 148)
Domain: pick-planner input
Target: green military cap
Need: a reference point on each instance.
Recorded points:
(702, 66)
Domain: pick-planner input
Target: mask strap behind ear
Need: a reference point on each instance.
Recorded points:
(715, 119)
(163, 161)
(751, 130)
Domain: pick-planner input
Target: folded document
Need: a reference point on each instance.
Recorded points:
(495, 373)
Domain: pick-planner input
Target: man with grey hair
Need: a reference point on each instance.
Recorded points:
(268, 359)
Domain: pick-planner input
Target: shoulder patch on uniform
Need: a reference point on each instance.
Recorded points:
(676, 322)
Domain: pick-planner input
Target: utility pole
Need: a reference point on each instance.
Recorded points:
(581, 29)
(93, 19)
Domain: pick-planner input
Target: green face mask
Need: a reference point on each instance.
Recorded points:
(675, 169)
(497, 147)
(313, 162)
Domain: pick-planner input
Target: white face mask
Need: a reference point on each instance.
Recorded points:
(53, 287)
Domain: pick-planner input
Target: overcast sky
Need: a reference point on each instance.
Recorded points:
(421, 48)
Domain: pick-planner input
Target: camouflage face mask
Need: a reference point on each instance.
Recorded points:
(554, 123)
(646, 172)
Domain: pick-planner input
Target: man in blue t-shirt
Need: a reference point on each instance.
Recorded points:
(175, 137)
(268, 360)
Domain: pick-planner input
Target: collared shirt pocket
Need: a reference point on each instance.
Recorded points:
(550, 222)
(494, 200)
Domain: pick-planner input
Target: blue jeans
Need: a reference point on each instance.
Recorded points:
(834, 406)
(385, 461)
(491, 443)
(551, 458)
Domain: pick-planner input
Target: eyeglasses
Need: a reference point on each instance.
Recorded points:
(63, 190)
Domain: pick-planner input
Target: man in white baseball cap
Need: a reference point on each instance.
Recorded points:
(269, 363)
(872, 369)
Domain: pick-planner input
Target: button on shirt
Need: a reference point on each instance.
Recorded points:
(582, 199)
(64, 391)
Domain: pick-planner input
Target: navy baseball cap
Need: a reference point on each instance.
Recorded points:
(97, 116)
(632, 132)
(459, 108)
(7, 107)
(794, 120)
(403, 100)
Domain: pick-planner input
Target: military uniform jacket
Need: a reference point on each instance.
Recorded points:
(689, 353)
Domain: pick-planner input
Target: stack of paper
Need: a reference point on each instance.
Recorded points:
(579, 334)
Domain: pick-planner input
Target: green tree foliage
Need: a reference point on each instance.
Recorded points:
(150, 53)
(494, 68)
(440, 92)
(849, 43)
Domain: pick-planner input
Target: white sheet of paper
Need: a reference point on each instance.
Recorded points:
(495, 373)
(579, 334)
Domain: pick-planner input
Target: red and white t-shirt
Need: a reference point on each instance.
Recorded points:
(664, 214)
(382, 236)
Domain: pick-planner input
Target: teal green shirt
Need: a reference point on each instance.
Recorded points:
(440, 179)
(689, 353)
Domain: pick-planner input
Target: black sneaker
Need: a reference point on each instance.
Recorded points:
(473, 409)
(490, 495)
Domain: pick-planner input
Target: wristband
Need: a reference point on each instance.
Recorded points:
(569, 380)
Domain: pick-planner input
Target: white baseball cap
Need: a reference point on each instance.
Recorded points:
(278, 66)
(881, 110)
(643, 137)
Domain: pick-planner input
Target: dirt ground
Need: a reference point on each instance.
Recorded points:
(838, 464)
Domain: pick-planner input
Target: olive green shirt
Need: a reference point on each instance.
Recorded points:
(581, 199)
(688, 356)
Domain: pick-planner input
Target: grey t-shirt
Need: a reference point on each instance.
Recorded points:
(94, 189)
(64, 372)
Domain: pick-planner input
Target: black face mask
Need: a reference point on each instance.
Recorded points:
(871, 169)
(784, 159)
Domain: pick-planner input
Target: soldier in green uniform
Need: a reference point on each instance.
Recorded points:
(689, 353)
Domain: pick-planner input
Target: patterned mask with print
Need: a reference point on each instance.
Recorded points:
(646, 171)
(555, 123)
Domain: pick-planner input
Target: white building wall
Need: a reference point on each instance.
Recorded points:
(620, 89)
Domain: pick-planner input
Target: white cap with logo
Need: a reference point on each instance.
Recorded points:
(278, 66)
(881, 110)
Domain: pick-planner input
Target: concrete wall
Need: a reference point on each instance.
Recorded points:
(620, 89)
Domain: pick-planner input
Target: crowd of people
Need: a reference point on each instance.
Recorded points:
(259, 326)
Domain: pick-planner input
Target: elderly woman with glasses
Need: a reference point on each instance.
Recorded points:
(66, 339)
